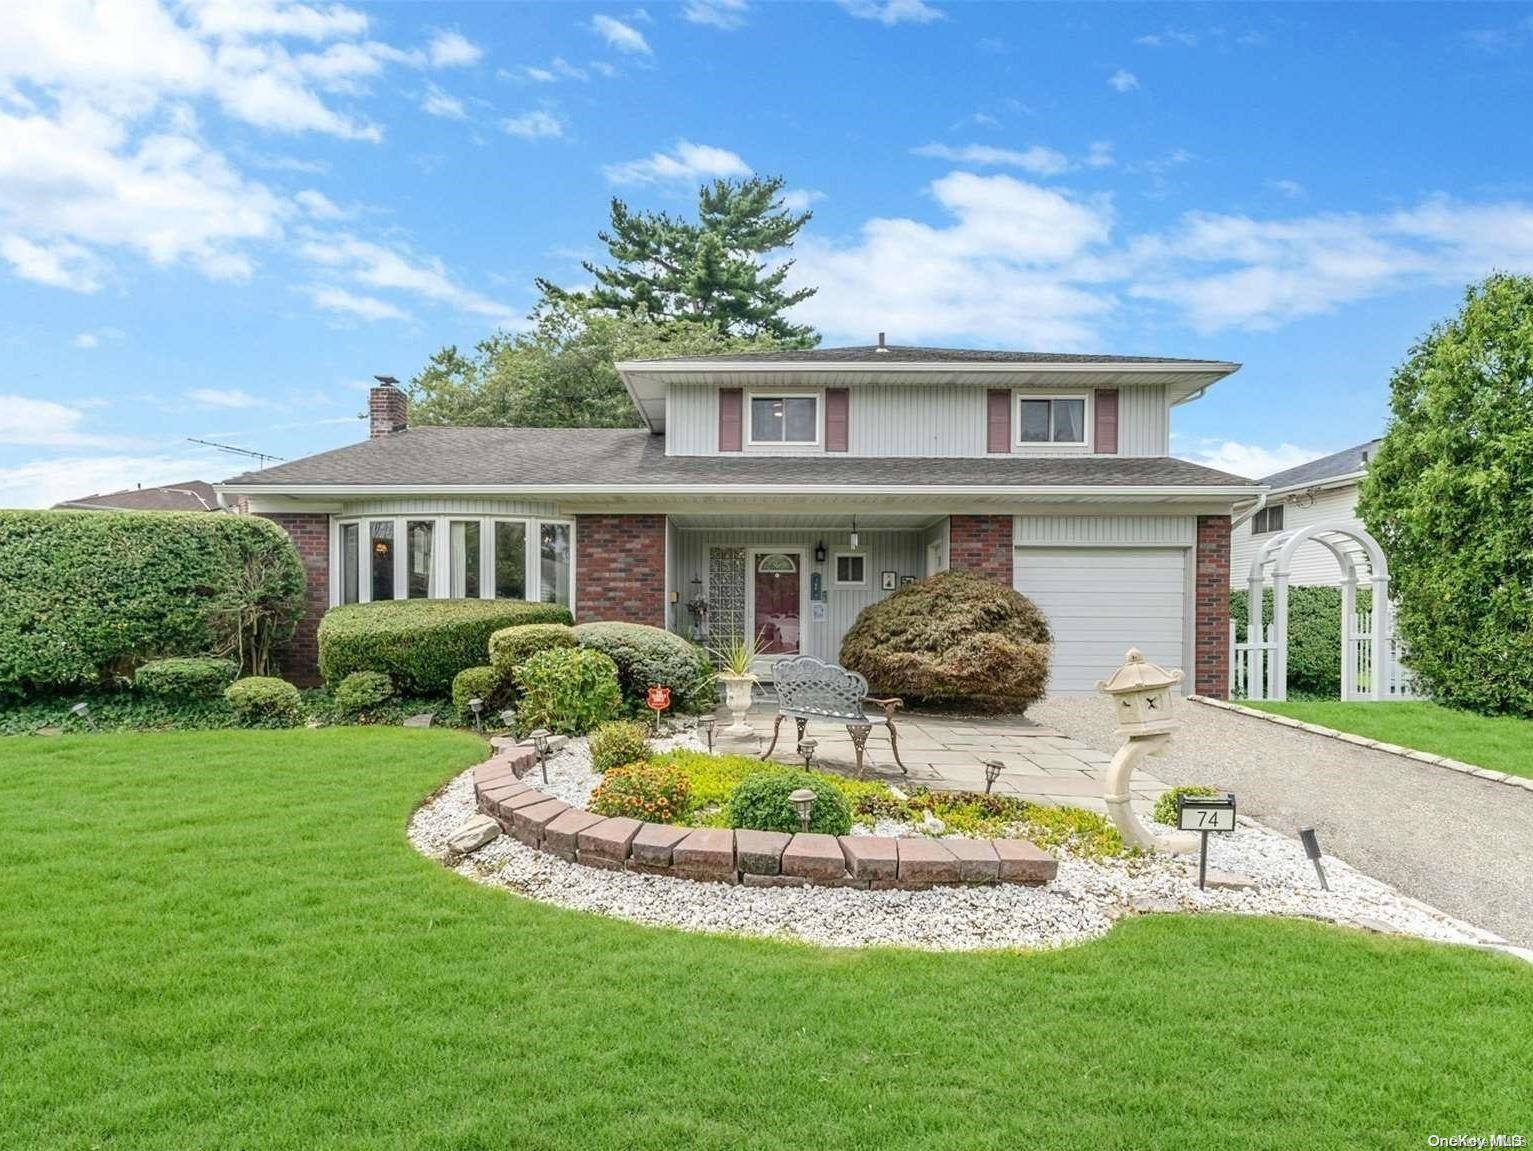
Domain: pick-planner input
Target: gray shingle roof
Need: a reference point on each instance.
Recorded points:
(192, 496)
(902, 354)
(535, 457)
(1342, 463)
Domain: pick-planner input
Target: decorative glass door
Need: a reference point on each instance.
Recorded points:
(778, 611)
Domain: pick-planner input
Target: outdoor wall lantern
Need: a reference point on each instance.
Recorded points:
(806, 749)
(820, 552)
(540, 737)
(802, 800)
(705, 725)
(1141, 698)
(476, 706)
(993, 768)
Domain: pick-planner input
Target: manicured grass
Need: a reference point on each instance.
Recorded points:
(223, 940)
(1500, 743)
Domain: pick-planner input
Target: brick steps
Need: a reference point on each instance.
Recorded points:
(754, 858)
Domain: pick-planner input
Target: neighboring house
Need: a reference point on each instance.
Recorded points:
(193, 496)
(790, 490)
(1323, 490)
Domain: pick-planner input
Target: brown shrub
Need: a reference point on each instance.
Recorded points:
(953, 637)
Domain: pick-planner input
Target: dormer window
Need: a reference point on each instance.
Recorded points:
(1051, 420)
(785, 419)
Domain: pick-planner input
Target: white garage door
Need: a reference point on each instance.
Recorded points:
(1102, 601)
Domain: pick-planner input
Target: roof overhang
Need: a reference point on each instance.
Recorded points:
(647, 380)
(1327, 484)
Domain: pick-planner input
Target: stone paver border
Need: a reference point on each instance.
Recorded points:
(752, 858)
(1376, 745)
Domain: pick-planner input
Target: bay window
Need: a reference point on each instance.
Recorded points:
(554, 563)
(510, 559)
(351, 562)
(463, 536)
(381, 532)
(419, 581)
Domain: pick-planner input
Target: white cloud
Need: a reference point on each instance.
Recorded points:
(1099, 154)
(1123, 81)
(363, 307)
(94, 339)
(622, 37)
(440, 103)
(230, 398)
(535, 125)
(556, 69)
(59, 265)
(1290, 188)
(44, 423)
(42, 483)
(452, 50)
(725, 14)
(230, 18)
(604, 69)
(799, 199)
(1037, 159)
(891, 12)
(1250, 460)
(318, 205)
(379, 267)
(1169, 36)
(684, 162)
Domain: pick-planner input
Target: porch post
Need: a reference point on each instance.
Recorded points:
(1380, 638)
(1348, 624)
(1279, 635)
(1256, 658)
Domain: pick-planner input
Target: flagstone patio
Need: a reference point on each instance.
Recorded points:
(948, 753)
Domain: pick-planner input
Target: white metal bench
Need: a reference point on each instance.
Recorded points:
(810, 689)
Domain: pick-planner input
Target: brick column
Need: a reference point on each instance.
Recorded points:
(1211, 620)
(982, 544)
(620, 568)
(298, 659)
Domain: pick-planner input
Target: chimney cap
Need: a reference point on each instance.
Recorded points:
(387, 381)
(881, 346)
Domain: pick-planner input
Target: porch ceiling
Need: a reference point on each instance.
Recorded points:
(877, 521)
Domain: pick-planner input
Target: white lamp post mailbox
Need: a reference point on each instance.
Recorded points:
(1141, 695)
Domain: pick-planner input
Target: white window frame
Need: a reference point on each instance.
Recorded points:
(835, 568)
(1264, 516)
(1088, 422)
(816, 394)
(441, 553)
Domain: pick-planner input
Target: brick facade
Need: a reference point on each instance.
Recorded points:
(982, 544)
(388, 411)
(1211, 627)
(620, 568)
(298, 659)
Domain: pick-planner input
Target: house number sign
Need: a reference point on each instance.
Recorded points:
(1205, 814)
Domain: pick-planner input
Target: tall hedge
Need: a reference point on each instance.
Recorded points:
(1449, 495)
(421, 644)
(84, 594)
(1314, 636)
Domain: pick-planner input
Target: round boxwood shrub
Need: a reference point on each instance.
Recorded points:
(568, 689)
(186, 677)
(651, 655)
(1165, 806)
(363, 690)
(954, 636)
(615, 744)
(420, 643)
(655, 792)
(511, 647)
(760, 802)
(264, 701)
(483, 682)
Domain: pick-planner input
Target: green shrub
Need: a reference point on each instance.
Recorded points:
(657, 793)
(760, 802)
(1314, 636)
(420, 643)
(954, 636)
(87, 595)
(511, 647)
(619, 743)
(651, 655)
(186, 677)
(567, 689)
(264, 701)
(483, 683)
(362, 691)
(1165, 806)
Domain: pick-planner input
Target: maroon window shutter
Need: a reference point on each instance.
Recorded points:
(998, 421)
(731, 419)
(1106, 438)
(837, 419)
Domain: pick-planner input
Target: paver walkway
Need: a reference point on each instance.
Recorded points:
(1459, 843)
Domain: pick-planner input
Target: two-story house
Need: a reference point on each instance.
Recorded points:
(789, 490)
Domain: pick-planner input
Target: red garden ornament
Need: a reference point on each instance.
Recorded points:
(657, 698)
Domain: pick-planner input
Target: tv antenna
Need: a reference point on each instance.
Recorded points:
(261, 458)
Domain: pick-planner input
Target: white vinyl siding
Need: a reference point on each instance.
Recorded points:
(1313, 565)
(1097, 531)
(1102, 601)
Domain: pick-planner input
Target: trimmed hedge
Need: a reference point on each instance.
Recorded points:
(186, 677)
(511, 647)
(760, 802)
(953, 637)
(1314, 636)
(420, 643)
(264, 701)
(482, 683)
(651, 655)
(362, 691)
(87, 595)
(568, 689)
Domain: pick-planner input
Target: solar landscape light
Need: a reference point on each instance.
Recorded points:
(508, 717)
(1312, 850)
(993, 769)
(81, 711)
(802, 800)
(476, 706)
(540, 737)
(806, 749)
(705, 724)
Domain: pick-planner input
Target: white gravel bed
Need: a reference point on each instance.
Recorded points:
(1082, 903)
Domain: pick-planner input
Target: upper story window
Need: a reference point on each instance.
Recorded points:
(784, 419)
(1051, 420)
(1269, 519)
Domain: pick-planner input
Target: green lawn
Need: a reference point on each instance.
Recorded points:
(223, 940)
(1500, 743)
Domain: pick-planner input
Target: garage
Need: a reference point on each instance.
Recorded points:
(1102, 601)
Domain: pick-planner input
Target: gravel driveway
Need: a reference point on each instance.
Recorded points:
(1461, 844)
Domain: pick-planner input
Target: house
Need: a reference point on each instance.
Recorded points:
(791, 489)
(1321, 491)
(192, 496)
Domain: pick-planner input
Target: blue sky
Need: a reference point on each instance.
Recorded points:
(219, 219)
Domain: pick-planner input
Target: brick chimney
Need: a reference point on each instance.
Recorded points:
(388, 409)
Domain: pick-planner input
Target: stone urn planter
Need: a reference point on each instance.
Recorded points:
(737, 698)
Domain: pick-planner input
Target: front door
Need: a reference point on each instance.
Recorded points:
(777, 612)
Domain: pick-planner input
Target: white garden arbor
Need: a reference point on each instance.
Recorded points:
(1367, 652)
